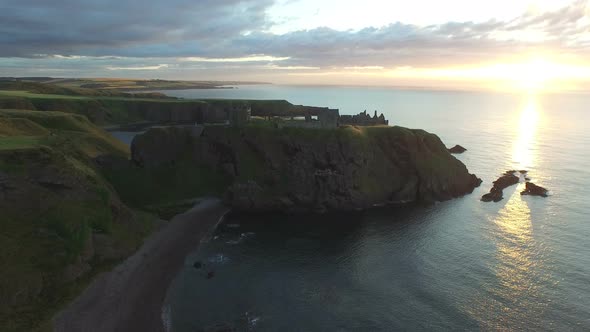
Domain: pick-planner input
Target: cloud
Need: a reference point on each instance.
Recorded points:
(124, 27)
(251, 58)
(566, 30)
(156, 67)
(208, 37)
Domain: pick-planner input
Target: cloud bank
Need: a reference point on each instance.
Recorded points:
(207, 37)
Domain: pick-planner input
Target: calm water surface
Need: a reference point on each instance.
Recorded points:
(521, 264)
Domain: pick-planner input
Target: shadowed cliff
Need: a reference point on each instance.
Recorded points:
(297, 170)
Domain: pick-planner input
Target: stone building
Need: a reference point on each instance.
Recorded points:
(316, 117)
(329, 118)
(239, 116)
(364, 119)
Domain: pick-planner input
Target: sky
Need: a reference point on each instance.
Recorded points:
(500, 44)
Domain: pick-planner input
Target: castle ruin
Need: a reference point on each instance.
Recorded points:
(364, 119)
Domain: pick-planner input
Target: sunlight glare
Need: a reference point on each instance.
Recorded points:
(535, 74)
(518, 268)
(524, 148)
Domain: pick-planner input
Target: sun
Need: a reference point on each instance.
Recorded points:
(529, 74)
(535, 75)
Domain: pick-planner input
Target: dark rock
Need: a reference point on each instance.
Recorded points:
(457, 149)
(534, 190)
(198, 265)
(210, 274)
(506, 181)
(496, 194)
(493, 196)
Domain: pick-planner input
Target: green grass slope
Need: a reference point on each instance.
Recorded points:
(101, 110)
(60, 220)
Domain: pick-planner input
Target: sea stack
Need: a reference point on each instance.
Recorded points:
(534, 190)
(457, 149)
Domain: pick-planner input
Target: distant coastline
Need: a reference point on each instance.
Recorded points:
(131, 85)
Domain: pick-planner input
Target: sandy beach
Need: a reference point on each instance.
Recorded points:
(130, 297)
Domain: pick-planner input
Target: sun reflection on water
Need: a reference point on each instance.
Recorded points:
(523, 153)
(515, 249)
(512, 299)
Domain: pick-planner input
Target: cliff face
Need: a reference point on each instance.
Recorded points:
(294, 169)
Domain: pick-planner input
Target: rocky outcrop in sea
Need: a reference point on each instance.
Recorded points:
(457, 149)
(496, 194)
(511, 178)
(534, 190)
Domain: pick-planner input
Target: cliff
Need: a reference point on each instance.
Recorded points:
(295, 169)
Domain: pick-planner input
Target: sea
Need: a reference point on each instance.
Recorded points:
(520, 264)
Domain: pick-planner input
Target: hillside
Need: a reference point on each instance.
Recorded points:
(72, 90)
(61, 222)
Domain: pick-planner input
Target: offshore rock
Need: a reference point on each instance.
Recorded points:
(496, 194)
(457, 149)
(534, 190)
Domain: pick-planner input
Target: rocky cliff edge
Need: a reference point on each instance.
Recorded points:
(294, 169)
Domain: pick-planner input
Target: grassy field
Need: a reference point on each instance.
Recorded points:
(63, 130)
(79, 88)
(19, 142)
(132, 84)
(27, 94)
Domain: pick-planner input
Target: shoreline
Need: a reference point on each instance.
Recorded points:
(132, 295)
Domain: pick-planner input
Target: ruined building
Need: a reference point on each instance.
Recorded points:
(364, 119)
(238, 113)
(314, 117)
